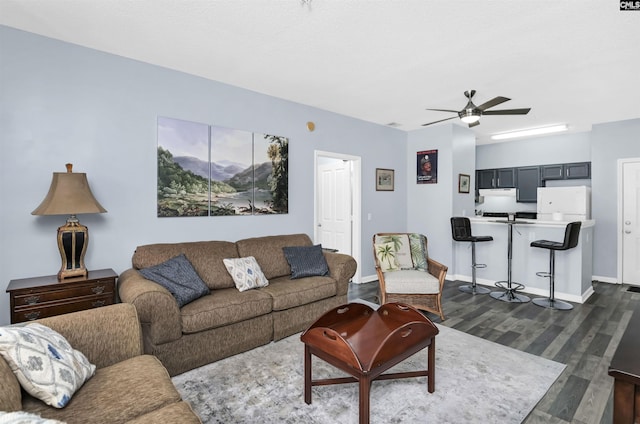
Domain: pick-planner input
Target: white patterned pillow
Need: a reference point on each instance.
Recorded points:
(44, 363)
(386, 254)
(246, 273)
(20, 417)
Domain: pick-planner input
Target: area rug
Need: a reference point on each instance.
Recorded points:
(476, 381)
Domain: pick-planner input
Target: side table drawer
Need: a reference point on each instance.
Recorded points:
(39, 296)
(30, 313)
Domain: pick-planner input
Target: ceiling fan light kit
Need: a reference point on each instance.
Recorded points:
(530, 132)
(471, 113)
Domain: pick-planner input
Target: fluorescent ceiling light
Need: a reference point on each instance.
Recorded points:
(533, 131)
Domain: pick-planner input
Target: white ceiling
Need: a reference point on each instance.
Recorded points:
(574, 62)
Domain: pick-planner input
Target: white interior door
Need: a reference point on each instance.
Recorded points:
(631, 223)
(334, 205)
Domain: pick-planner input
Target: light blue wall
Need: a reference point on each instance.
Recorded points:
(551, 149)
(609, 142)
(63, 103)
(430, 206)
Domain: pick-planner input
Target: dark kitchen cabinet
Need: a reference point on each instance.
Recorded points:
(496, 178)
(552, 172)
(506, 178)
(485, 178)
(528, 180)
(579, 170)
(566, 171)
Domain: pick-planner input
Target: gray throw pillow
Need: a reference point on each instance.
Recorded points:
(306, 261)
(179, 277)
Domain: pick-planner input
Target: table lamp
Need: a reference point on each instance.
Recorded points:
(70, 194)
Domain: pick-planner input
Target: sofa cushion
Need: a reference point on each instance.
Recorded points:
(289, 293)
(179, 412)
(246, 273)
(268, 252)
(306, 261)
(224, 307)
(10, 392)
(205, 256)
(115, 394)
(179, 277)
(44, 362)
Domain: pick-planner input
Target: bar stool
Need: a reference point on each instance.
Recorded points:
(461, 231)
(571, 234)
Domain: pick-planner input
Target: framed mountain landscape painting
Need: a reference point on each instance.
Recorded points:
(206, 170)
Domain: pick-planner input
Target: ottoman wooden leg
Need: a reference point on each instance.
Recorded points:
(431, 379)
(307, 375)
(364, 389)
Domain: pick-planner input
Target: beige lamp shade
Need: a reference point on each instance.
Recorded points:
(69, 194)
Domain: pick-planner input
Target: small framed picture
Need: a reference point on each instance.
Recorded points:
(464, 181)
(384, 179)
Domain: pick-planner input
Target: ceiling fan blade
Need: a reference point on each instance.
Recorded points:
(444, 110)
(473, 124)
(435, 122)
(522, 111)
(493, 102)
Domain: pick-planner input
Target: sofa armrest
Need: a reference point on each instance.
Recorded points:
(341, 267)
(157, 308)
(106, 335)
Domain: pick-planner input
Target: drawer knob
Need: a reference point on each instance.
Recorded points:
(32, 315)
(98, 303)
(98, 289)
(32, 300)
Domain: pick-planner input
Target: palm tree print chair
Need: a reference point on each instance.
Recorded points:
(406, 273)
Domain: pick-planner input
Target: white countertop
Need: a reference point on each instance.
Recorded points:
(496, 220)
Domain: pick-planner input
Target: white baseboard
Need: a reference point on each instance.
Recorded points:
(368, 278)
(610, 280)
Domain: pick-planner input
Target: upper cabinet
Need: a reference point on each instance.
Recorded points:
(528, 178)
(496, 178)
(566, 171)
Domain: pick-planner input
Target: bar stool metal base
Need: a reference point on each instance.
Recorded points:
(469, 288)
(545, 302)
(509, 293)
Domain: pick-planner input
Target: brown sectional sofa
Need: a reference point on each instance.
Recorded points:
(128, 387)
(227, 321)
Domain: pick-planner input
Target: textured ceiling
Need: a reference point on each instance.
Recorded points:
(574, 62)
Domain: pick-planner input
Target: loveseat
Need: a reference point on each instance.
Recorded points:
(127, 387)
(228, 321)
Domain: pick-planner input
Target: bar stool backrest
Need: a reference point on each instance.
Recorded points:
(460, 228)
(571, 234)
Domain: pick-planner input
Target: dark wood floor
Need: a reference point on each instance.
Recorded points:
(584, 339)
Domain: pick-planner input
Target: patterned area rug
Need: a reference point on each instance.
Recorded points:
(476, 381)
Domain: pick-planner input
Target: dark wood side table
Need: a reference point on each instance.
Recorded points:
(625, 369)
(40, 297)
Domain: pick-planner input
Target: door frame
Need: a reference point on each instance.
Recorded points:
(620, 219)
(356, 202)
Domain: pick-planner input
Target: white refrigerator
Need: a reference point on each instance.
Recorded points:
(564, 203)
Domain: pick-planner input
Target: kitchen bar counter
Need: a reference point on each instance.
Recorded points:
(573, 267)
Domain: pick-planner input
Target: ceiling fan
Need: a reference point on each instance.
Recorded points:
(471, 113)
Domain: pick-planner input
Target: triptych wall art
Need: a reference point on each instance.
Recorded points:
(206, 170)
